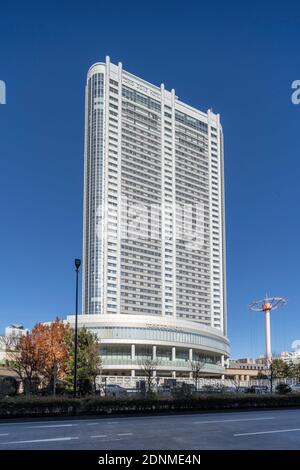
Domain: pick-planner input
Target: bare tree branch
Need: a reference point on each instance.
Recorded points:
(196, 368)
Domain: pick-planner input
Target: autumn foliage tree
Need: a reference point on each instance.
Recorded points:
(25, 357)
(56, 352)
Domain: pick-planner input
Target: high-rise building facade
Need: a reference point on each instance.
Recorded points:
(154, 230)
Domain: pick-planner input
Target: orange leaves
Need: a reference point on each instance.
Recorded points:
(52, 346)
(41, 356)
(44, 349)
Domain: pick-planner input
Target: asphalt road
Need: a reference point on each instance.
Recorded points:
(278, 429)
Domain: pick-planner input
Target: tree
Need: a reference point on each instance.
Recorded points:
(89, 361)
(196, 368)
(53, 341)
(261, 375)
(148, 366)
(278, 369)
(295, 371)
(25, 356)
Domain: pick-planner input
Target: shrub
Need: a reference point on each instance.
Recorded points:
(64, 406)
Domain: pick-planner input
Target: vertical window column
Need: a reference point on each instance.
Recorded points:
(174, 201)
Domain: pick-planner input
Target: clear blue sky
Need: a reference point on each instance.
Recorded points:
(238, 57)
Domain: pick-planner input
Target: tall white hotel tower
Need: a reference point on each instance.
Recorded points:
(154, 282)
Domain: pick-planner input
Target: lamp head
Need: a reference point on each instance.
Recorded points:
(77, 263)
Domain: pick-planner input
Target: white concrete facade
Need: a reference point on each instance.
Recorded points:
(146, 148)
(127, 340)
(12, 331)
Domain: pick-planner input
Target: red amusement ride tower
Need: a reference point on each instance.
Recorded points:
(266, 305)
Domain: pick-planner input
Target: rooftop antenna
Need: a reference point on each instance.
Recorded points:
(266, 305)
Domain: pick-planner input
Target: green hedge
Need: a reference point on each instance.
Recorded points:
(63, 406)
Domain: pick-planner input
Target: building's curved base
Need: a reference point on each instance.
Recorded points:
(128, 343)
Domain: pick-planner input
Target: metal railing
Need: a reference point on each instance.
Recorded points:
(130, 382)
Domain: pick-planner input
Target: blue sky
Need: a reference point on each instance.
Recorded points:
(239, 58)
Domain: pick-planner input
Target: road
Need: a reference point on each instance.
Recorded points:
(278, 429)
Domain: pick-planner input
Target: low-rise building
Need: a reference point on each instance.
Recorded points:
(12, 331)
(245, 369)
(291, 357)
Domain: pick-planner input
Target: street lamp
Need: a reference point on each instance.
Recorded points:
(77, 266)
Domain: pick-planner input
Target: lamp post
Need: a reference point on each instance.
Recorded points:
(77, 266)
